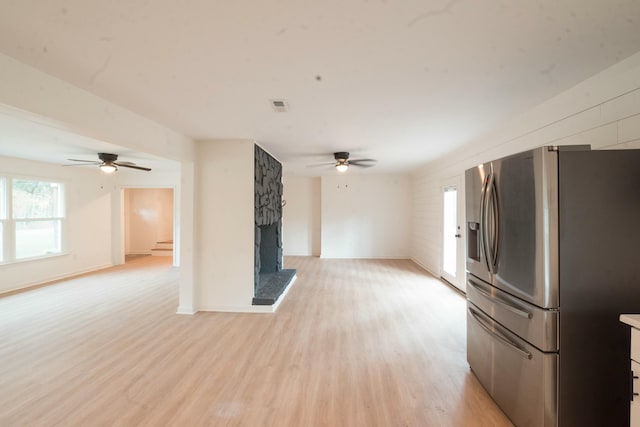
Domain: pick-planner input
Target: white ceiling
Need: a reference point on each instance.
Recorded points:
(29, 136)
(401, 81)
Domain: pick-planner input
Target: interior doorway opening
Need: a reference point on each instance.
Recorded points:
(148, 222)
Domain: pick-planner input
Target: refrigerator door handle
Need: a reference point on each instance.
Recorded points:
(488, 215)
(498, 336)
(505, 304)
(484, 221)
(496, 224)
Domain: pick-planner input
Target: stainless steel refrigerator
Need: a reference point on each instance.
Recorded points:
(553, 259)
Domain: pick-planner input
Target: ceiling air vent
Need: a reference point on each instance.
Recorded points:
(279, 105)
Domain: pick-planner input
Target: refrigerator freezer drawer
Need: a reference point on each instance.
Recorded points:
(520, 378)
(535, 325)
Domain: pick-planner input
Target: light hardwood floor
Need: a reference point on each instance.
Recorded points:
(355, 343)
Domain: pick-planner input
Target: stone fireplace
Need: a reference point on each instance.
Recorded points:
(268, 239)
(270, 278)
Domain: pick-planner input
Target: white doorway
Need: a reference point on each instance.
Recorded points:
(148, 222)
(452, 239)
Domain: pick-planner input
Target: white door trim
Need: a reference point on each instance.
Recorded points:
(459, 279)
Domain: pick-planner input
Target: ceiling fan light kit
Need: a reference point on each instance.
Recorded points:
(343, 162)
(108, 168)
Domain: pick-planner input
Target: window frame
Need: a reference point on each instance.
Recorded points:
(9, 223)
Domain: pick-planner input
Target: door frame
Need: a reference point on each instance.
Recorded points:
(459, 280)
(118, 196)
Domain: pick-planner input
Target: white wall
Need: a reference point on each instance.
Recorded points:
(366, 216)
(225, 223)
(165, 214)
(148, 218)
(88, 220)
(603, 111)
(184, 244)
(301, 216)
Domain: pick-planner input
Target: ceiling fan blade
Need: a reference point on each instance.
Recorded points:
(125, 165)
(363, 163)
(85, 161)
(320, 165)
(81, 164)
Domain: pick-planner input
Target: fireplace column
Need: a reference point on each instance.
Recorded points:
(268, 214)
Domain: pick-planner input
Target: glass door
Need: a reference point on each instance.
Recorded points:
(452, 248)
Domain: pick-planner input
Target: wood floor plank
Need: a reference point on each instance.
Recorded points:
(354, 343)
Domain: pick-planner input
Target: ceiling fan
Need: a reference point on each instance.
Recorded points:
(342, 162)
(108, 163)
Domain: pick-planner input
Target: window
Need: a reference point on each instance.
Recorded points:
(35, 226)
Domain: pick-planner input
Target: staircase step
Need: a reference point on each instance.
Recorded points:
(164, 245)
(162, 252)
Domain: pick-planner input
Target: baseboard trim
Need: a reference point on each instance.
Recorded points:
(424, 267)
(186, 310)
(452, 286)
(53, 280)
(439, 277)
(236, 309)
(365, 257)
